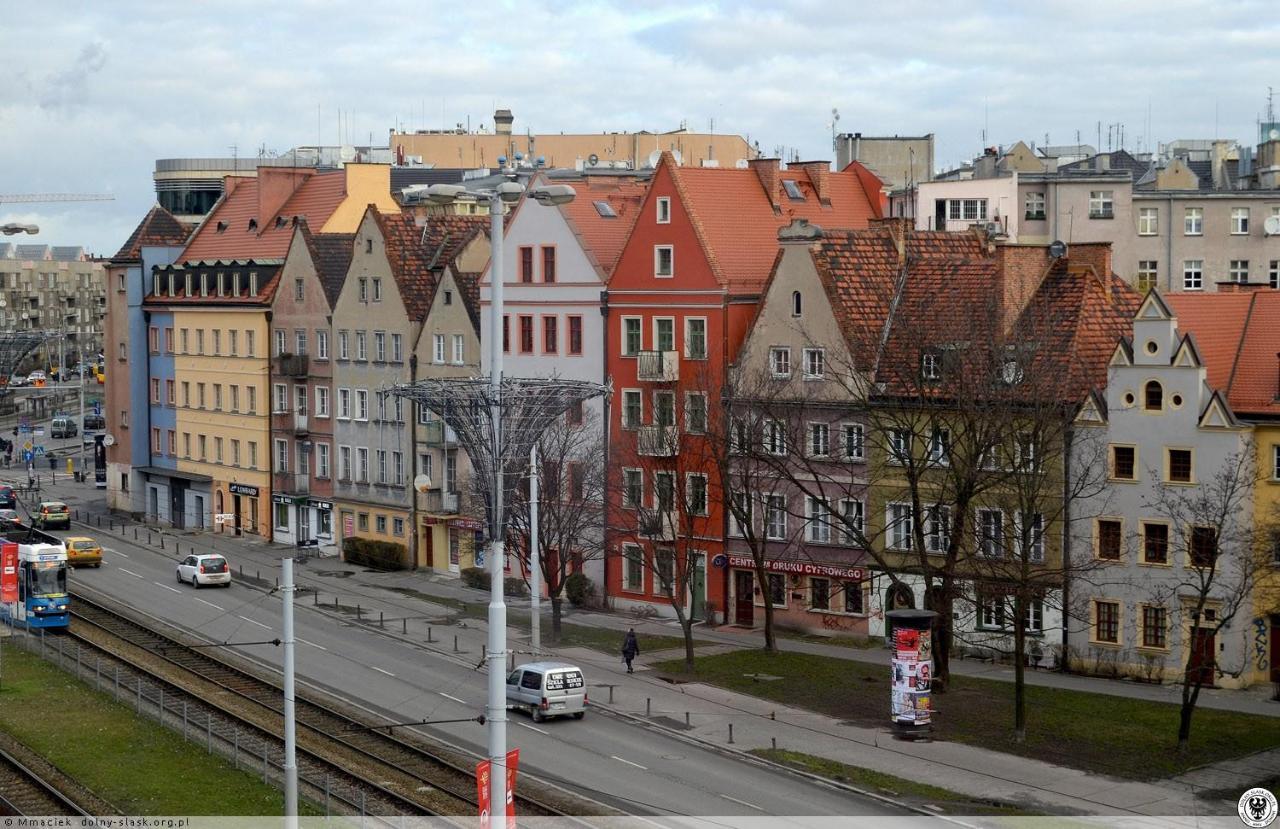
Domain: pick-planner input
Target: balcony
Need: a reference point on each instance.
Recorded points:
(440, 502)
(291, 483)
(658, 366)
(436, 433)
(658, 441)
(292, 365)
(658, 526)
(300, 423)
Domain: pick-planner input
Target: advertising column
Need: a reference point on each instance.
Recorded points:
(912, 667)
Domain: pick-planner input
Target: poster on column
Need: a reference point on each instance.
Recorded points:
(912, 673)
(513, 762)
(8, 572)
(482, 792)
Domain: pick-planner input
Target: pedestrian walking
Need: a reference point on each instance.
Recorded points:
(630, 649)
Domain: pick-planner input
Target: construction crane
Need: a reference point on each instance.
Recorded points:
(27, 198)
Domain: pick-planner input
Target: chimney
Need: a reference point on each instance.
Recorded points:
(799, 231)
(769, 170)
(275, 186)
(502, 120)
(819, 173)
(1022, 268)
(1095, 254)
(1218, 168)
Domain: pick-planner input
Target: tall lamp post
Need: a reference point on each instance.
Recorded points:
(496, 650)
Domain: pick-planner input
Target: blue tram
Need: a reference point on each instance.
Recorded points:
(43, 601)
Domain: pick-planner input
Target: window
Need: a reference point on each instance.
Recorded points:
(1273, 273)
(1153, 396)
(1110, 539)
(632, 488)
(171, 393)
(664, 334)
(775, 438)
(741, 513)
(1100, 204)
(664, 485)
(153, 340)
(780, 361)
(362, 464)
(1192, 274)
(235, 452)
(697, 495)
(631, 407)
(663, 264)
(548, 264)
(380, 523)
(282, 511)
(937, 528)
(526, 335)
(664, 210)
(1193, 221)
(819, 440)
(819, 593)
(900, 528)
(854, 443)
(1148, 221)
(851, 526)
(575, 335)
(899, 445)
(930, 366)
(397, 348)
(252, 393)
(299, 340)
(1239, 270)
(282, 456)
(695, 338)
(1031, 536)
(233, 342)
(380, 346)
(991, 611)
(574, 415)
(969, 210)
(1106, 622)
(459, 349)
(281, 398)
(155, 391)
(797, 304)
(344, 404)
(1155, 543)
(204, 447)
(1179, 466)
(1155, 624)
(991, 533)
(853, 598)
(940, 447)
(397, 526)
(362, 521)
(168, 341)
(633, 569)
(377, 289)
(818, 525)
(550, 335)
(362, 351)
(322, 460)
(1147, 277)
(217, 396)
(362, 404)
(775, 518)
(1124, 463)
(437, 348)
(695, 412)
(814, 363)
(1035, 206)
(380, 464)
(526, 264)
(1204, 546)
(364, 289)
(1240, 221)
(281, 345)
(322, 401)
(344, 463)
(631, 343)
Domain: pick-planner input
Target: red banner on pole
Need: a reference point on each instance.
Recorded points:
(8, 572)
(513, 761)
(482, 792)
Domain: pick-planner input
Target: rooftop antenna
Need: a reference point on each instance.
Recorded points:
(835, 119)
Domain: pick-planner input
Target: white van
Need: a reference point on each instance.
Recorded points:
(548, 689)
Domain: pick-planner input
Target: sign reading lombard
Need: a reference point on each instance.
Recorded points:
(802, 568)
(243, 489)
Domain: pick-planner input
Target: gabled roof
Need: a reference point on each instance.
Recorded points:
(737, 223)
(418, 253)
(1238, 339)
(603, 237)
(157, 229)
(331, 253)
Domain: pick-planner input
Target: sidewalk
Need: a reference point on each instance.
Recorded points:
(730, 721)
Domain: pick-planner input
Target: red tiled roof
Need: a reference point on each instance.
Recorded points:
(331, 253)
(157, 229)
(601, 237)
(736, 221)
(226, 232)
(417, 253)
(1238, 337)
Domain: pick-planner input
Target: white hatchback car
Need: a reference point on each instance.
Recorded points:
(204, 570)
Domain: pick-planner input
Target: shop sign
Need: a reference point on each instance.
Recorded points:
(322, 505)
(802, 568)
(281, 499)
(243, 489)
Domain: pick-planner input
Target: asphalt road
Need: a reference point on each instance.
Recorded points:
(635, 769)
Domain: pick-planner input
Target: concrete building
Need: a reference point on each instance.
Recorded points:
(900, 160)
(58, 290)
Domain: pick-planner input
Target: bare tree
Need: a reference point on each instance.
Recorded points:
(570, 509)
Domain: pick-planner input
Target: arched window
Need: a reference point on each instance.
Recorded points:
(1154, 397)
(797, 305)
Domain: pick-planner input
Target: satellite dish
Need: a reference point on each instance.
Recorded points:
(655, 157)
(3, 303)
(593, 159)
(422, 483)
(108, 440)
(676, 155)
(1273, 134)
(1271, 226)
(1057, 249)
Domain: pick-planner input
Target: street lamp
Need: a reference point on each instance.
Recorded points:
(496, 649)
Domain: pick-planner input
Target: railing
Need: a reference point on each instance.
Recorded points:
(658, 441)
(440, 502)
(299, 423)
(658, 366)
(291, 483)
(292, 365)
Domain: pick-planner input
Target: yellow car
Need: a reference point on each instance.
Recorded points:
(83, 551)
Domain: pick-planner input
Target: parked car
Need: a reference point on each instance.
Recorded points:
(83, 551)
(201, 570)
(8, 498)
(548, 689)
(94, 423)
(17, 381)
(63, 427)
(36, 376)
(10, 519)
(53, 513)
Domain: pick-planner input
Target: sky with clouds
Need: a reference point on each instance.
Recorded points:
(95, 92)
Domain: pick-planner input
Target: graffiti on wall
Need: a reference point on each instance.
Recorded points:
(1260, 643)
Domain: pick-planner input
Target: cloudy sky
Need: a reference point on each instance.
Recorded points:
(95, 92)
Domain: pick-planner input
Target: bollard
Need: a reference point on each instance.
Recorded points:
(404, 625)
(611, 695)
(148, 537)
(335, 602)
(135, 533)
(730, 733)
(686, 719)
(455, 643)
(771, 715)
(277, 582)
(162, 541)
(316, 598)
(429, 639)
(511, 661)
(648, 706)
(358, 619)
(774, 742)
(380, 620)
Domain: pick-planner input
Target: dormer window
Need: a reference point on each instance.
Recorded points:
(186, 287)
(797, 304)
(253, 224)
(235, 283)
(368, 246)
(221, 226)
(204, 283)
(793, 190)
(171, 292)
(448, 297)
(1153, 397)
(155, 284)
(253, 283)
(222, 285)
(281, 221)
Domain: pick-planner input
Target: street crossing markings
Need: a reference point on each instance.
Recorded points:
(166, 587)
(130, 572)
(211, 604)
(629, 763)
(381, 670)
(742, 803)
(252, 622)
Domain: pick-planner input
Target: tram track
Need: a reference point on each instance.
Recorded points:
(399, 774)
(23, 791)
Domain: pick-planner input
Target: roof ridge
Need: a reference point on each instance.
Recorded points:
(698, 230)
(1244, 336)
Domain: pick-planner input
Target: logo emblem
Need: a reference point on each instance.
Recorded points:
(1257, 808)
